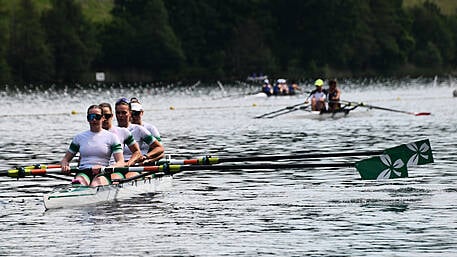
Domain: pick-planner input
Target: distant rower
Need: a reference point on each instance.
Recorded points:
(318, 96)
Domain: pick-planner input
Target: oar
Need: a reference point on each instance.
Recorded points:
(171, 169)
(280, 110)
(215, 160)
(390, 163)
(176, 168)
(20, 173)
(385, 109)
(288, 111)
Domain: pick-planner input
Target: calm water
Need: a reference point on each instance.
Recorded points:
(292, 212)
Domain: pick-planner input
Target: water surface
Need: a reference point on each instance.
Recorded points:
(314, 211)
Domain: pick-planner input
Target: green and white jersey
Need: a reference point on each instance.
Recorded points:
(95, 148)
(124, 136)
(154, 132)
(142, 136)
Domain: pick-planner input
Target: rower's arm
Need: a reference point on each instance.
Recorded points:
(136, 154)
(65, 162)
(119, 158)
(156, 151)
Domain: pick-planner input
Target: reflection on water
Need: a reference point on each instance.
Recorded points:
(239, 212)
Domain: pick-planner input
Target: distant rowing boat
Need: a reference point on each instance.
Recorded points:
(79, 195)
(264, 95)
(255, 78)
(317, 115)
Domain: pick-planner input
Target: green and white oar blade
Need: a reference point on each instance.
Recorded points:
(382, 167)
(415, 153)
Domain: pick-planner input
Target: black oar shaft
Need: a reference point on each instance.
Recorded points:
(298, 156)
(280, 110)
(383, 108)
(262, 166)
(173, 169)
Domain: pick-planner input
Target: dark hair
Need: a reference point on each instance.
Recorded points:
(107, 105)
(134, 100)
(332, 82)
(94, 106)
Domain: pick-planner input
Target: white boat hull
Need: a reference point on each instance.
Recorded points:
(77, 195)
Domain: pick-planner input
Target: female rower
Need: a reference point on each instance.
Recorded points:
(123, 134)
(318, 96)
(95, 146)
(333, 94)
(137, 118)
(140, 134)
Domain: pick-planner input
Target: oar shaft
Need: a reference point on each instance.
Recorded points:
(173, 169)
(216, 160)
(260, 166)
(280, 110)
(298, 156)
(20, 173)
(385, 109)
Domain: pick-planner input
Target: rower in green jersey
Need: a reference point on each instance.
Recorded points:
(137, 118)
(124, 135)
(95, 146)
(140, 134)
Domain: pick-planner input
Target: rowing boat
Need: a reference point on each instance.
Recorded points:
(317, 115)
(78, 195)
(264, 95)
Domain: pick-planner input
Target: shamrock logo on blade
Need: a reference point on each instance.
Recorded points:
(391, 167)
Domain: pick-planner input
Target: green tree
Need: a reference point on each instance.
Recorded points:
(29, 56)
(434, 36)
(71, 38)
(390, 28)
(141, 37)
(203, 37)
(5, 75)
(249, 51)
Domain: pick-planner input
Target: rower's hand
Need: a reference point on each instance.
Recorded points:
(65, 167)
(306, 102)
(142, 159)
(149, 163)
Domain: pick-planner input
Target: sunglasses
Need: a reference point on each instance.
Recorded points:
(136, 113)
(108, 115)
(123, 100)
(93, 116)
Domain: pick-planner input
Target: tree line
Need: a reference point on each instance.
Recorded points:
(224, 39)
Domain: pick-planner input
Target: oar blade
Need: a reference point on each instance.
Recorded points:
(422, 113)
(415, 153)
(394, 162)
(381, 167)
